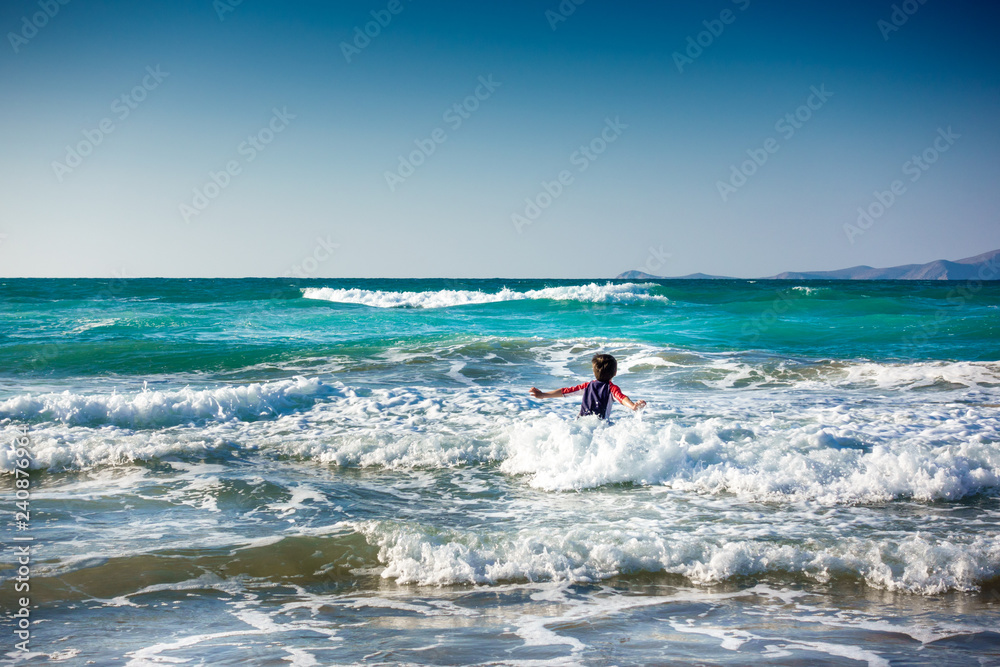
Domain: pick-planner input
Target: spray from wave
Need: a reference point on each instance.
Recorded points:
(156, 409)
(412, 554)
(591, 293)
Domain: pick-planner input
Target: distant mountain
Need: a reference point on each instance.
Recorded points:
(981, 267)
(963, 269)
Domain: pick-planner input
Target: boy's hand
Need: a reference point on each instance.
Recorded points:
(638, 405)
(536, 392)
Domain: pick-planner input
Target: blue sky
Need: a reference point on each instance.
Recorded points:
(305, 143)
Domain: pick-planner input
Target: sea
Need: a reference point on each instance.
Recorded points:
(336, 472)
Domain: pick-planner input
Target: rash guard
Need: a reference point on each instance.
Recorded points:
(597, 397)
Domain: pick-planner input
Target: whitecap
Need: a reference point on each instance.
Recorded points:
(591, 293)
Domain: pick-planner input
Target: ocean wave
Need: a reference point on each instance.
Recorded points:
(95, 324)
(774, 448)
(737, 372)
(155, 409)
(809, 291)
(835, 458)
(546, 545)
(917, 563)
(970, 374)
(304, 418)
(591, 293)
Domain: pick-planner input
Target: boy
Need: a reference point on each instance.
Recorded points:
(598, 393)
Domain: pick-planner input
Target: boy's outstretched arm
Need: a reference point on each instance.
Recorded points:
(538, 393)
(617, 394)
(636, 405)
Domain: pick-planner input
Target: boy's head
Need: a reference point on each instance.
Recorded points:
(605, 367)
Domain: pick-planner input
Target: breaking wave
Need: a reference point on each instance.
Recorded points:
(592, 293)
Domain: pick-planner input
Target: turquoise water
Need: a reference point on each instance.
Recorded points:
(267, 471)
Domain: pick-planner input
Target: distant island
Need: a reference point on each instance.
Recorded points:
(981, 267)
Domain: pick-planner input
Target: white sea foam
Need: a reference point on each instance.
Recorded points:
(588, 553)
(300, 494)
(592, 552)
(591, 293)
(310, 419)
(732, 640)
(757, 622)
(261, 622)
(732, 371)
(836, 457)
(809, 291)
(95, 324)
(918, 375)
(777, 448)
(922, 631)
(151, 408)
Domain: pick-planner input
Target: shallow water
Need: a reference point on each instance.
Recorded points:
(336, 472)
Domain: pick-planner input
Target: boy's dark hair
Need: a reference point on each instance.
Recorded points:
(605, 367)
